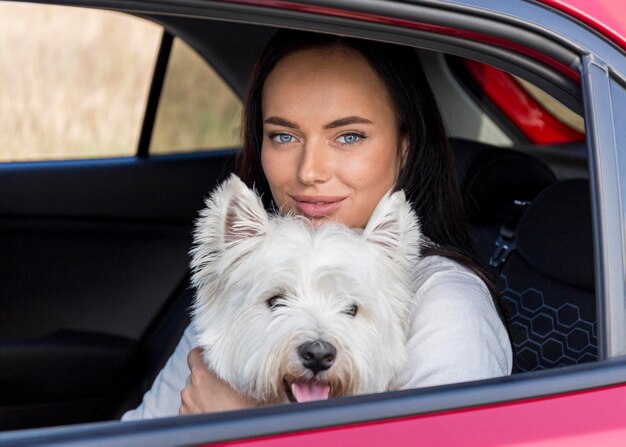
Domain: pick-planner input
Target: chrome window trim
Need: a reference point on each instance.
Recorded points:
(604, 163)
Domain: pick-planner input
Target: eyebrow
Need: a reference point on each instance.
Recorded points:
(281, 122)
(332, 125)
(347, 121)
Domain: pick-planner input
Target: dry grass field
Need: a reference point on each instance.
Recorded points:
(197, 109)
(74, 83)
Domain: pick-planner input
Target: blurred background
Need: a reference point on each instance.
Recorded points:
(74, 84)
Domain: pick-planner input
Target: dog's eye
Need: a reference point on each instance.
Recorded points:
(275, 301)
(351, 311)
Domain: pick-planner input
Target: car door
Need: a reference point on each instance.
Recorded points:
(563, 405)
(94, 229)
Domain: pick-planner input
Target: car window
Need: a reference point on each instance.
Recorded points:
(556, 108)
(522, 112)
(197, 109)
(91, 105)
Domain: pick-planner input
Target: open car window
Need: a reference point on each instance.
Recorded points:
(108, 277)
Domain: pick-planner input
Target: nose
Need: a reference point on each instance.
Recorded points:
(317, 355)
(314, 164)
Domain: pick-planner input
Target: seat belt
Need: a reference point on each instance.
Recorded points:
(505, 243)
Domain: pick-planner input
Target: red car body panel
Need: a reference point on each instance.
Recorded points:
(533, 120)
(605, 16)
(589, 418)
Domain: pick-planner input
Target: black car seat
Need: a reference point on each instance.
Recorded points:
(547, 282)
(497, 185)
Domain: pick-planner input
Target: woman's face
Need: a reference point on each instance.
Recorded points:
(331, 147)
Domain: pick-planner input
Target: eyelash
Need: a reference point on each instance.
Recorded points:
(359, 136)
(272, 136)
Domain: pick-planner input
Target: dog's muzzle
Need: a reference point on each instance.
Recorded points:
(316, 356)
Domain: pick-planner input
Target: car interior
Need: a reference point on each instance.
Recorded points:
(95, 282)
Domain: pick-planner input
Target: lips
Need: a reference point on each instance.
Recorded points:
(317, 206)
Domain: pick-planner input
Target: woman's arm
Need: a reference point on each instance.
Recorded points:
(456, 334)
(186, 386)
(205, 393)
(163, 398)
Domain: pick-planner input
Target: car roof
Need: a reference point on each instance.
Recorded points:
(605, 16)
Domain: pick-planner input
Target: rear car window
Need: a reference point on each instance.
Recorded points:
(197, 109)
(523, 113)
(556, 108)
(74, 81)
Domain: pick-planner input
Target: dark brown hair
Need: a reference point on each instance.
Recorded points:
(428, 177)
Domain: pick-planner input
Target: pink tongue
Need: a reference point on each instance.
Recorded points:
(308, 391)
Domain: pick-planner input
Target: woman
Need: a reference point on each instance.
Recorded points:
(331, 124)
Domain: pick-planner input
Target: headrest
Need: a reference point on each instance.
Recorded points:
(491, 178)
(555, 235)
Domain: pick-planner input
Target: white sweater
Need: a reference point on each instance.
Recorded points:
(456, 336)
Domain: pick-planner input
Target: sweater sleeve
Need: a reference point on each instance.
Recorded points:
(455, 336)
(163, 399)
(456, 333)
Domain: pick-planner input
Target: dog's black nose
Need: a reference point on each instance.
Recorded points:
(317, 355)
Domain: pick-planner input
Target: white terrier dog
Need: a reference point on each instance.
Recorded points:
(286, 311)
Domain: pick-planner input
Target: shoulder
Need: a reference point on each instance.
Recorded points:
(441, 279)
(447, 292)
(456, 333)
(429, 268)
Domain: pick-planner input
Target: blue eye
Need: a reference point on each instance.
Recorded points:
(350, 138)
(282, 138)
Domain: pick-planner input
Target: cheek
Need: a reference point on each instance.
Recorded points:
(275, 171)
(371, 178)
(380, 162)
(267, 164)
(386, 167)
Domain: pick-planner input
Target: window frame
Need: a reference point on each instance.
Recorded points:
(607, 189)
(154, 94)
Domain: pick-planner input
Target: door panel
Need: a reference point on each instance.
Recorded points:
(91, 254)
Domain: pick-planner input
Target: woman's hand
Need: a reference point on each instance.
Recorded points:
(205, 393)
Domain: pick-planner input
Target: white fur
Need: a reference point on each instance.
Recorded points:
(242, 257)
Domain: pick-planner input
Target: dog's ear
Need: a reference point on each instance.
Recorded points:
(240, 210)
(394, 227)
(245, 215)
(233, 215)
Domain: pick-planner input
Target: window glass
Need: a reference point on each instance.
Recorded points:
(556, 108)
(74, 81)
(484, 103)
(197, 110)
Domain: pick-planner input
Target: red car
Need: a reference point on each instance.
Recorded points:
(94, 273)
